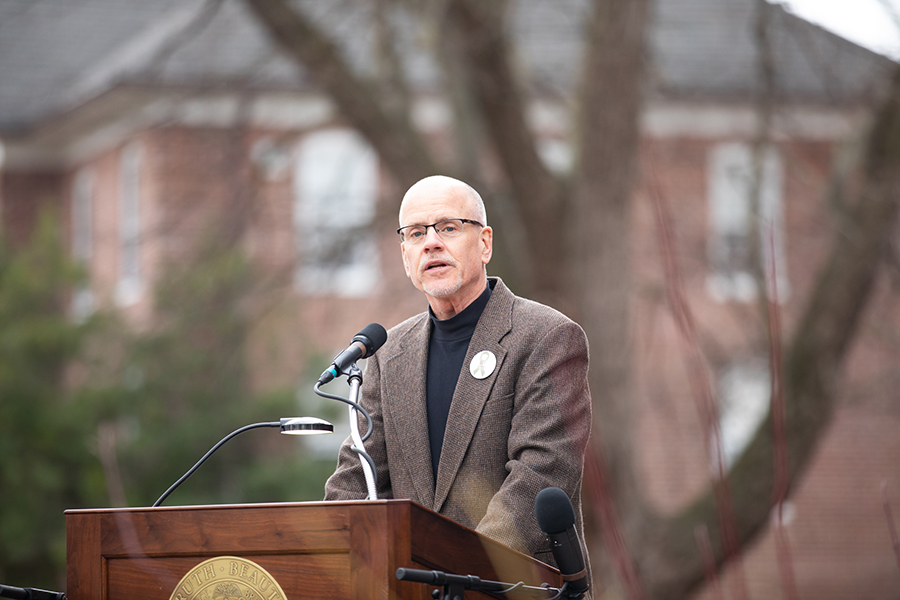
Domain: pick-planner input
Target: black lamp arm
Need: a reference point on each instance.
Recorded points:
(208, 454)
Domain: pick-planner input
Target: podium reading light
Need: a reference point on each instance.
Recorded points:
(306, 426)
(288, 425)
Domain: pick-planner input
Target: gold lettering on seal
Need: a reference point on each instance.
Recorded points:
(227, 578)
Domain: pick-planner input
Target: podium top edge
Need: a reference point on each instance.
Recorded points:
(321, 503)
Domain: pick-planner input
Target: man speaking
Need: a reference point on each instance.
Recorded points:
(482, 401)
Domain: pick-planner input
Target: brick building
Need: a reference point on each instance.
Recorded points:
(176, 115)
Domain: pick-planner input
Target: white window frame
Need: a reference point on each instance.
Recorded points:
(730, 214)
(130, 284)
(82, 238)
(335, 194)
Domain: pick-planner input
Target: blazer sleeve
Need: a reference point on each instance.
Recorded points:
(348, 482)
(550, 426)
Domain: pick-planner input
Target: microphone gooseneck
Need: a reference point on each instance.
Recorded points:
(365, 343)
(556, 518)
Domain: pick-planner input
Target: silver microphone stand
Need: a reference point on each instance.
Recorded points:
(354, 378)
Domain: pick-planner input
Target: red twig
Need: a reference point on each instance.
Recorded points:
(892, 528)
(779, 429)
(598, 491)
(785, 558)
(701, 534)
(698, 376)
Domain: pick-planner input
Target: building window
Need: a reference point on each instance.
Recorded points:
(130, 285)
(82, 223)
(744, 392)
(732, 215)
(556, 155)
(335, 190)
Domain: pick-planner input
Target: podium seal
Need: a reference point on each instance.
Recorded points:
(228, 578)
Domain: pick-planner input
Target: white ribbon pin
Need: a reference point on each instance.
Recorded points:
(482, 364)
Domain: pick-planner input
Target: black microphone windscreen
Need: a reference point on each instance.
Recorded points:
(373, 336)
(553, 510)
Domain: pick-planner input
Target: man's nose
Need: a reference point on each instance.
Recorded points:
(432, 239)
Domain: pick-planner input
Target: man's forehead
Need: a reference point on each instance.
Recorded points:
(438, 201)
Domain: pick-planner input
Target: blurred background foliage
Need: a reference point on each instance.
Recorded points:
(96, 414)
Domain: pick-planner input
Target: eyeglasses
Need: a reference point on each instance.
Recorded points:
(446, 229)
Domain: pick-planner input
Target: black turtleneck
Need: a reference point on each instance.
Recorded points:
(446, 353)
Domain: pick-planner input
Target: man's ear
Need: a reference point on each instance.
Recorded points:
(487, 244)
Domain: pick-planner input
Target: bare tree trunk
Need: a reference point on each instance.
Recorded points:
(597, 257)
(597, 221)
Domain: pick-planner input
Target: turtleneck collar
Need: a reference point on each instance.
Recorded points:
(462, 324)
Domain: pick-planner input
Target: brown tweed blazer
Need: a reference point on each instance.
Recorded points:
(523, 428)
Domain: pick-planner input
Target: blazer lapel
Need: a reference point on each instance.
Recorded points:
(471, 393)
(404, 405)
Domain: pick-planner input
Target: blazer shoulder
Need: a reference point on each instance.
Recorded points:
(547, 317)
(534, 324)
(527, 318)
(403, 331)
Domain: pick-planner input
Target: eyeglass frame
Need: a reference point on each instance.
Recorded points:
(434, 226)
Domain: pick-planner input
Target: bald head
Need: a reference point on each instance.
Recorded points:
(441, 186)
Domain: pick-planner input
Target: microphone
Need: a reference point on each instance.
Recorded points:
(17, 593)
(556, 518)
(365, 343)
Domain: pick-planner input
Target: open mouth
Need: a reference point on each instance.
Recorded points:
(436, 265)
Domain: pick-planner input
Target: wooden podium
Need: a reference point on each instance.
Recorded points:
(330, 550)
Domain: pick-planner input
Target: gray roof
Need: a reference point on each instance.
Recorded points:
(710, 48)
(57, 55)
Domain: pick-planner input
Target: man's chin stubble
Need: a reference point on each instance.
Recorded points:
(444, 290)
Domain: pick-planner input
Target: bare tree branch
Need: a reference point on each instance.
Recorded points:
(198, 23)
(702, 389)
(812, 365)
(503, 109)
(782, 477)
(391, 134)
(709, 562)
(393, 90)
